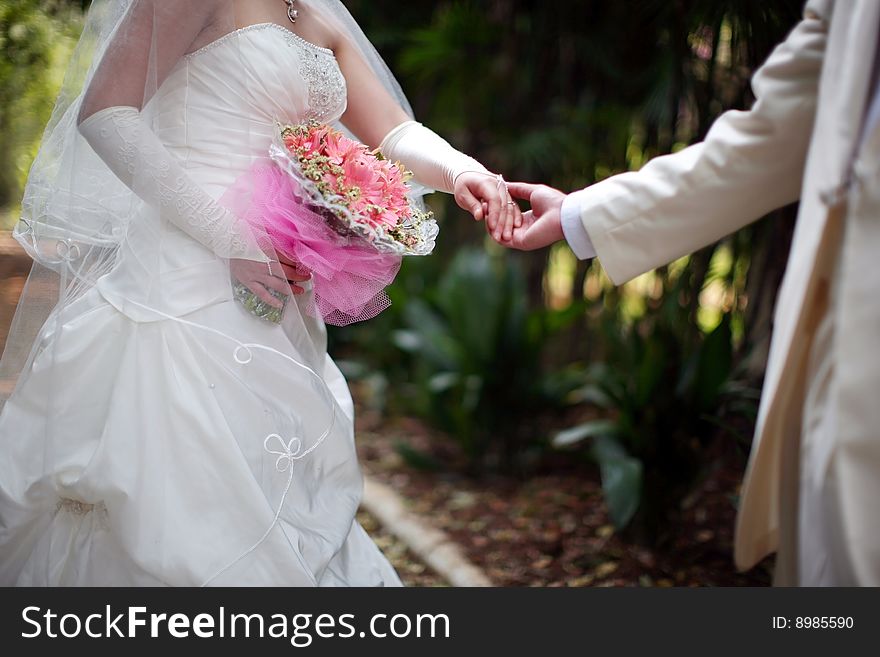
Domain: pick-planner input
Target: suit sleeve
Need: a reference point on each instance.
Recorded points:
(750, 163)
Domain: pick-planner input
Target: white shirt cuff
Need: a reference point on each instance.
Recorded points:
(573, 228)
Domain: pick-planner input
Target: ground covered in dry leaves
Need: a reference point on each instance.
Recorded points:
(411, 570)
(551, 528)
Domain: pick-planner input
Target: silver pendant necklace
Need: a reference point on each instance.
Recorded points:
(292, 13)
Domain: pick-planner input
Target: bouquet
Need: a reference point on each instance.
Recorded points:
(338, 209)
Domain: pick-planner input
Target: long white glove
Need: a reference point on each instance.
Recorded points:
(125, 142)
(432, 159)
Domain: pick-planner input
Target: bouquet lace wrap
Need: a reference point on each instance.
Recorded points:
(352, 245)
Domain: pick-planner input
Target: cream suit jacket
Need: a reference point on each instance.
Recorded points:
(801, 140)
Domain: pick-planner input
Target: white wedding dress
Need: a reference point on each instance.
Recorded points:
(162, 435)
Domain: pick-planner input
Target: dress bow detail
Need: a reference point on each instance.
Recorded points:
(289, 452)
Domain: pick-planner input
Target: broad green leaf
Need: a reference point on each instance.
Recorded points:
(714, 364)
(443, 381)
(437, 345)
(409, 341)
(651, 369)
(590, 394)
(592, 429)
(621, 479)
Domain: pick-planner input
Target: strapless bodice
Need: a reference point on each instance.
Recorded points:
(216, 113)
(217, 109)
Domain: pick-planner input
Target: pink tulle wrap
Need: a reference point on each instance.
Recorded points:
(349, 276)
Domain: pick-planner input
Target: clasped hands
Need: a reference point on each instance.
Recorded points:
(487, 197)
(491, 199)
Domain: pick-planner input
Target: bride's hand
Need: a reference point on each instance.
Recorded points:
(294, 273)
(261, 277)
(485, 196)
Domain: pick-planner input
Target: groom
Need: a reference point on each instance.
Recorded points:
(812, 487)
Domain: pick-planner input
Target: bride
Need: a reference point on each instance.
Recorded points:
(159, 433)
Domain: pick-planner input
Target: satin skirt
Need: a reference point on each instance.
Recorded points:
(203, 447)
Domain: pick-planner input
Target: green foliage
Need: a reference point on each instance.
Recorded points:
(36, 38)
(662, 396)
(476, 356)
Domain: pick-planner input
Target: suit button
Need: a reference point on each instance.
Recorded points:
(834, 196)
(830, 197)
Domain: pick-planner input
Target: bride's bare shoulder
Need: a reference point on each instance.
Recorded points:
(207, 11)
(178, 20)
(320, 26)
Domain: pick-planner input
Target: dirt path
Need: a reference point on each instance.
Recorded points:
(14, 267)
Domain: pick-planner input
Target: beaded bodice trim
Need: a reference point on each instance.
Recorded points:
(319, 68)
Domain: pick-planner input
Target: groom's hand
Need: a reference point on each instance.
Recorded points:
(542, 225)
